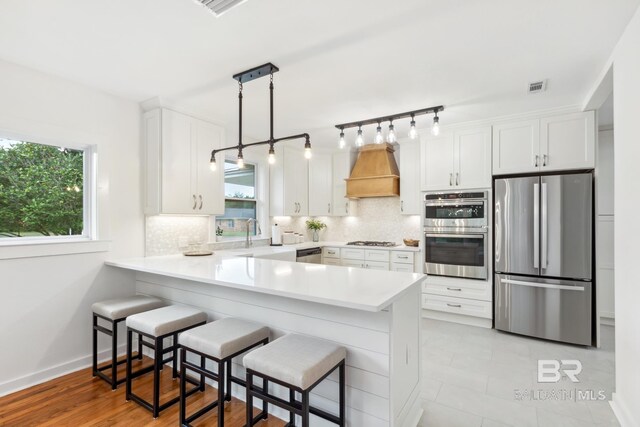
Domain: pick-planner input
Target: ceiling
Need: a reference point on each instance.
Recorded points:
(340, 60)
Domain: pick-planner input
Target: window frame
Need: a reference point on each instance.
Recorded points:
(89, 196)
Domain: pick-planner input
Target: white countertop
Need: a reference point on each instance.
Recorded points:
(356, 288)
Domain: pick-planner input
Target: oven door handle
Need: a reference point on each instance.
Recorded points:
(462, 236)
(445, 203)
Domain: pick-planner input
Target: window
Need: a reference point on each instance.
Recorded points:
(240, 200)
(43, 191)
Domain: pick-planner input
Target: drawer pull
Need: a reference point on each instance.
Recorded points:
(454, 289)
(454, 305)
(403, 257)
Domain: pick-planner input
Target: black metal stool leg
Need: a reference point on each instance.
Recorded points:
(203, 365)
(95, 345)
(343, 387)
(175, 356)
(139, 346)
(183, 387)
(221, 394)
(114, 355)
(305, 409)
(249, 399)
(265, 404)
(227, 396)
(292, 401)
(128, 381)
(157, 367)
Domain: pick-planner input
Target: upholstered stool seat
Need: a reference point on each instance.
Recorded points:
(299, 363)
(219, 341)
(115, 311)
(157, 325)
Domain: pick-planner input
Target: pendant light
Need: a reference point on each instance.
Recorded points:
(240, 161)
(391, 137)
(413, 132)
(212, 164)
(435, 129)
(359, 138)
(342, 143)
(272, 155)
(307, 149)
(379, 137)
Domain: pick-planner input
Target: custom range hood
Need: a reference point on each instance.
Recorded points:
(375, 173)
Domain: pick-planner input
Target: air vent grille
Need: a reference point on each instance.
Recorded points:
(219, 7)
(537, 87)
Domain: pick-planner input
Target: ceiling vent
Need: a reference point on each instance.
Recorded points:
(219, 7)
(537, 87)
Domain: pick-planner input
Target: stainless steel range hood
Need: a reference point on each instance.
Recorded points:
(375, 173)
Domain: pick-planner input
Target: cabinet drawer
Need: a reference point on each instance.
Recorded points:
(457, 305)
(330, 252)
(352, 253)
(408, 268)
(376, 265)
(371, 255)
(402, 257)
(331, 261)
(352, 263)
(473, 289)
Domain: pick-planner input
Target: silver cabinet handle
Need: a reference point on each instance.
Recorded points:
(454, 305)
(346, 207)
(195, 202)
(450, 179)
(201, 203)
(544, 160)
(329, 208)
(536, 225)
(331, 252)
(401, 205)
(537, 158)
(455, 289)
(457, 178)
(403, 257)
(544, 259)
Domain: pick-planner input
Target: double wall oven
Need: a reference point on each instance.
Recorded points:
(456, 234)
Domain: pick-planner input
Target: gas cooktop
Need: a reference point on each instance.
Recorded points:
(372, 243)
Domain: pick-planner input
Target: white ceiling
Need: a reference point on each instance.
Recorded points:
(340, 60)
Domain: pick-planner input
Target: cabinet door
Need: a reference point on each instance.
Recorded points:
(177, 194)
(406, 268)
(516, 147)
(437, 162)
(342, 163)
(376, 265)
(473, 158)
(302, 190)
(352, 263)
(320, 184)
(410, 200)
(568, 142)
(292, 158)
(206, 184)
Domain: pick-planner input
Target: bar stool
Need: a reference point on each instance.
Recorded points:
(157, 325)
(219, 341)
(116, 311)
(298, 363)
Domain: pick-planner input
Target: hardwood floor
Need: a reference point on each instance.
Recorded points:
(78, 399)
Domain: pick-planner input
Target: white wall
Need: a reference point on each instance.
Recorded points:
(45, 315)
(626, 81)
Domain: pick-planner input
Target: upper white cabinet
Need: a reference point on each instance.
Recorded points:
(544, 145)
(342, 161)
(320, 184)
(410, 200)
(178, 178)
(456, 160)
(289, 183)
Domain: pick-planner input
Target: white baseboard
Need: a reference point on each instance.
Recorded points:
(457, 318)
(622, 413)
(56, 371)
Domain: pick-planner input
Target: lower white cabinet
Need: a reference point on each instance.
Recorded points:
(352, 263)
(331, 261)
(376, 265)
(407, 268)
(463, 306)
(474, 289)
(374, 259)
(329, 252)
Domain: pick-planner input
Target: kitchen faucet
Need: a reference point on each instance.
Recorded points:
(249, 242)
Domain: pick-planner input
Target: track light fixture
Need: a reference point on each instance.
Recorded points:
(435, 129)
(246, 76)
(391, 136)
(413, 132)
(379, 137)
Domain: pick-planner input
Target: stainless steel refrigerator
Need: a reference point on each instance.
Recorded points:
(543, 256)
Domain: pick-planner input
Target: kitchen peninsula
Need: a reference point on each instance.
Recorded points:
(374, 314)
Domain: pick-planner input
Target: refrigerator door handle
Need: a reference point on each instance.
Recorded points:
(536, 226)
(545, 227)
(542, 285)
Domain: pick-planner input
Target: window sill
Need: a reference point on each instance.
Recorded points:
(42, 248)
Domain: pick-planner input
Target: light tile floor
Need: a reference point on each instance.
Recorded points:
(470, 377)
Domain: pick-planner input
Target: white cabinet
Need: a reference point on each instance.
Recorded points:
(342, 163)
(545, 145)
(516, 147)
(329, 252)
(410, 200)
(320, 184)
(457, 159)
(177, 153)
(289, 183)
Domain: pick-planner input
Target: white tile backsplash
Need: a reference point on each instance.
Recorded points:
(377, 219)
(165, 235)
